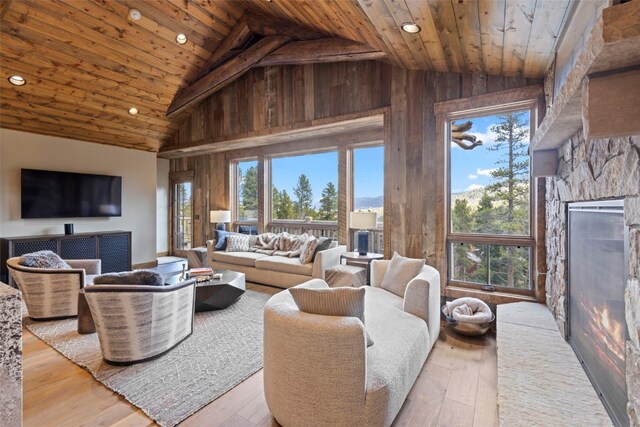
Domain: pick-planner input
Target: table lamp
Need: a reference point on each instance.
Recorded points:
(220, 218)
(363, 221)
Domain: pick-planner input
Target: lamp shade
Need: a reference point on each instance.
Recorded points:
(219, 216)
(363, 220)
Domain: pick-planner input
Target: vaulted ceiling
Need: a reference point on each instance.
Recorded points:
(86, 62)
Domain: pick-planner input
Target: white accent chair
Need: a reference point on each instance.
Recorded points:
(136, 323)
(318, 370)
(51, 294)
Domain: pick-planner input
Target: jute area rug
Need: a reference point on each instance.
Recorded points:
(224, 350)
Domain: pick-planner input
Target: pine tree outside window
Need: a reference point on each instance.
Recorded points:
(304, 187)
(490, 240)
(246, 191)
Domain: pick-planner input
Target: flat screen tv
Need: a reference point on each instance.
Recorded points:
(53, 194)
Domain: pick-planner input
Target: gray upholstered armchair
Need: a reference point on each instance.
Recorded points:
(136, 323)
(52, 293)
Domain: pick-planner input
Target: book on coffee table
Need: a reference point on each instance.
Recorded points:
(204, 271)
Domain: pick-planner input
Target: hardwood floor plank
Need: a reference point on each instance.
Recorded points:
(486, 408)
(455, 414)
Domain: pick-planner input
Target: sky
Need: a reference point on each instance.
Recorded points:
(471, 169)
(322, 168)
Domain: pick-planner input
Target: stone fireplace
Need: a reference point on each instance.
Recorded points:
(591, 170)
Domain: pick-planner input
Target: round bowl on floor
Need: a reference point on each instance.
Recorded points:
(466, 328)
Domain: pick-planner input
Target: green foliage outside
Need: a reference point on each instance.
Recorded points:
(503, 209)
(248, 186)
(329, 204)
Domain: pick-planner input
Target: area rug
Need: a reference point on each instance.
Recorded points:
(224, 350)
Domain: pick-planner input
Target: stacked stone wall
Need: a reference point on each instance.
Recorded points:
(597, 170)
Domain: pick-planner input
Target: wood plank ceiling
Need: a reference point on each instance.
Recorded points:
(87, 62)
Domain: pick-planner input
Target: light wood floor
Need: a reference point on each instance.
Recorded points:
(457, 387)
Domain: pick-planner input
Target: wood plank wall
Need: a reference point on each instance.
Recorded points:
(284, 95)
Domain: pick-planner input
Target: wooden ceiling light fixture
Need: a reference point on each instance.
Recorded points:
(259, 41)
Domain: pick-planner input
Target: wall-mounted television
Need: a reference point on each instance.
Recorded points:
(53, 194)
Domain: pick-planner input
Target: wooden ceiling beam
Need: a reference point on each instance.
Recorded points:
(238, 36)
(225, 74)
(320, 50)
(267, 25)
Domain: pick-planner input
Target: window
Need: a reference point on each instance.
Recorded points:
(490, 237)
(182, 216)
(368, 181)
(247, 191)
(305, 187)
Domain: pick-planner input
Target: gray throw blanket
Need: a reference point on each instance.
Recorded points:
(282, 244)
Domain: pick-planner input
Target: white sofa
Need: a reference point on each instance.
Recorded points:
(273, 270)
(318, 370)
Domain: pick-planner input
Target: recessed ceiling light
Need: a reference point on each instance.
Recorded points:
(17, 80)
(135, 14)
(133, 111)
(181, 38)
(410, 27)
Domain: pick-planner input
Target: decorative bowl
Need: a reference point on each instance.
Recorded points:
(466, 328)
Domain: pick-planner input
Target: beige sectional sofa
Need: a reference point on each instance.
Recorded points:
(318, 370)
(273, 270)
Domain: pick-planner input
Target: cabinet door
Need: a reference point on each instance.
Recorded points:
(78, 248)
(114, 252)
(25, 247)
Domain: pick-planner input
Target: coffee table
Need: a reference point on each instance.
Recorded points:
(216, 294)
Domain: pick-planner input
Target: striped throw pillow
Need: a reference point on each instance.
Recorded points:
(237, 243)
(309, 250)
(332, 302)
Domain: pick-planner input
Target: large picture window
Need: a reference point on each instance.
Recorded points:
(305, 187)
(247, 191)
(490, 236)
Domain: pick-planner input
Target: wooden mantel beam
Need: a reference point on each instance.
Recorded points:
(320, 50)
(225, 74)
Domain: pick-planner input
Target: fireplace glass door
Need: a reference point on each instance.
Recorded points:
(597, 277)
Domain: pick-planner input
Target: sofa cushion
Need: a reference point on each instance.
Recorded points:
(324, 243)
(239, 258)
(44, 259)
(284, 265)
(402, 345)
(331, 302)
(309, 250)
(237, 243)
(400, 272)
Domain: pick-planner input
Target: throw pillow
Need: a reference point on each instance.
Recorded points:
(308, 250)
(324, 243)
(332, 302)
(237, 243)
(137, 277)
(221, 243)
(44, 259)
(400, 272)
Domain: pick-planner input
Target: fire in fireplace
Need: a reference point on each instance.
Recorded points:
(597, 277)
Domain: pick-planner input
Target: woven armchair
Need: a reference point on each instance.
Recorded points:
(136, 323)
(51, 294)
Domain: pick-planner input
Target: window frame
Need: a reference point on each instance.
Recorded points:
(176, 178)
(451, 237)
(233, 194)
